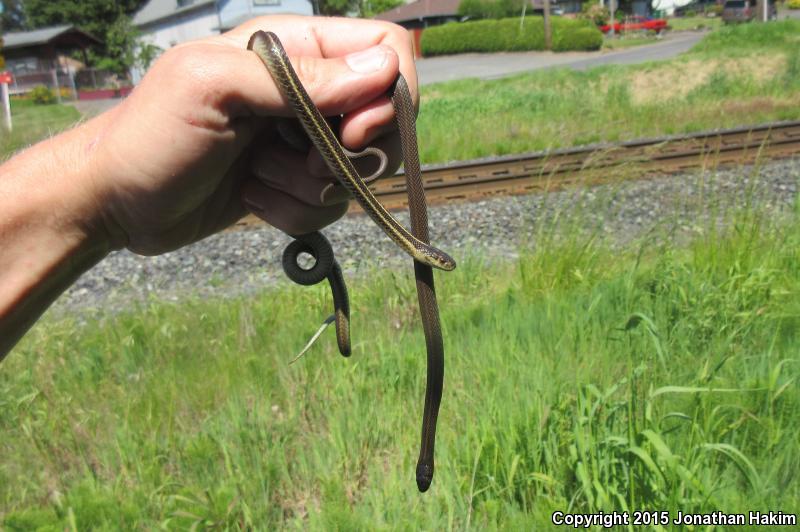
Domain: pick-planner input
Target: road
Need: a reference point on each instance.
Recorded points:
(491, 66)
(783, 13)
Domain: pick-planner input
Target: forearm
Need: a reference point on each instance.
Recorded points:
(51, 227)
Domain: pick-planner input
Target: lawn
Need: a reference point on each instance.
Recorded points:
(32, 123)
(697, 22)
(579, 378)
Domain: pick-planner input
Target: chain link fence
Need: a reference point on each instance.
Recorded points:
(67, 84)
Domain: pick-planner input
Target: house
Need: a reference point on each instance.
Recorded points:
(166, 23)
(424, 13)
(43, 56)
(416, 16)
(44, 49)
(674, 7)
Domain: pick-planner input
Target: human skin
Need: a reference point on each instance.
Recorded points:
(189, 152)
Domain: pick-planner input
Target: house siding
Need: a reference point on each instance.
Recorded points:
(206, 21)
(175, 30)
(235, 10)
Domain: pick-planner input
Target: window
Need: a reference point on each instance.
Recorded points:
(22, 65)
(184, 3)
(266, 2)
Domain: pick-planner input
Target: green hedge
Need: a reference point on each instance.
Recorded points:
(504, 35)
(494, 9)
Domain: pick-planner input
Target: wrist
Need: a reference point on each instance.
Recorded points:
(52, 228)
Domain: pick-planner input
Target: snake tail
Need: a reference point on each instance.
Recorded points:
(325, 267)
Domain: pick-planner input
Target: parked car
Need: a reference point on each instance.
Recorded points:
(637, 23)
(745, 10)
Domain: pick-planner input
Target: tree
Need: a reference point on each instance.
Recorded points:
(370, 8)
(548, 33)
(336, 7)
(12, 15)
(108, 20)
(361, 8)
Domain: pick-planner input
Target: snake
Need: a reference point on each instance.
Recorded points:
(416, 243)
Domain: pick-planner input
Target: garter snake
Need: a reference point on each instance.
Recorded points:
(415, 243)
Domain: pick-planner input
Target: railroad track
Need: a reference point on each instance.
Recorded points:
(590, 165)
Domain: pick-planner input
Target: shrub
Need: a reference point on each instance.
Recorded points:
(593, 11)
(580, 39)
(42, 95)
(506, 35)
(494, 9)
(793, 4)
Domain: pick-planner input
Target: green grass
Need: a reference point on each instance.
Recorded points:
(737, 75)
(580, 378)
(694, 23)
(32, 123)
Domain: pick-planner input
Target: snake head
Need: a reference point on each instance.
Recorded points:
(446, 262)
(424, 476)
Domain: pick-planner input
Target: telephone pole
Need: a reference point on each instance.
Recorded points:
(612, 4)
(548, 34)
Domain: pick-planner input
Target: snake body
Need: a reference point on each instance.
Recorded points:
(416, 243)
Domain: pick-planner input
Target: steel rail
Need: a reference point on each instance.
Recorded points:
(595, 164)
(591, 165)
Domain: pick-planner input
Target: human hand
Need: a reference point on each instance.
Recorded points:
(199, 134)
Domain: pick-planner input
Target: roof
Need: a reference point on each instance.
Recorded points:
(156, 10)
(66, 35)
(420, 9)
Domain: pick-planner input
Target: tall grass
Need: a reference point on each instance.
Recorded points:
(749, 38)
(580, 378)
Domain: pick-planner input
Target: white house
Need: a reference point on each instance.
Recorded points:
(669, 6)
(166, 23)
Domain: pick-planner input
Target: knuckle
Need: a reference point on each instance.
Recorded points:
(308, 71)
(191, 63)
(195, 72)
(399, 33)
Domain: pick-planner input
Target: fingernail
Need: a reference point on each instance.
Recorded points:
(368, 60)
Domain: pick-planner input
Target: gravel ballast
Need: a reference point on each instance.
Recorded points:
(245, 261)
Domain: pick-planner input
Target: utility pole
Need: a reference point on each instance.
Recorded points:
(612, 4)
(765, 10)
(5, 101)
(548, 34)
